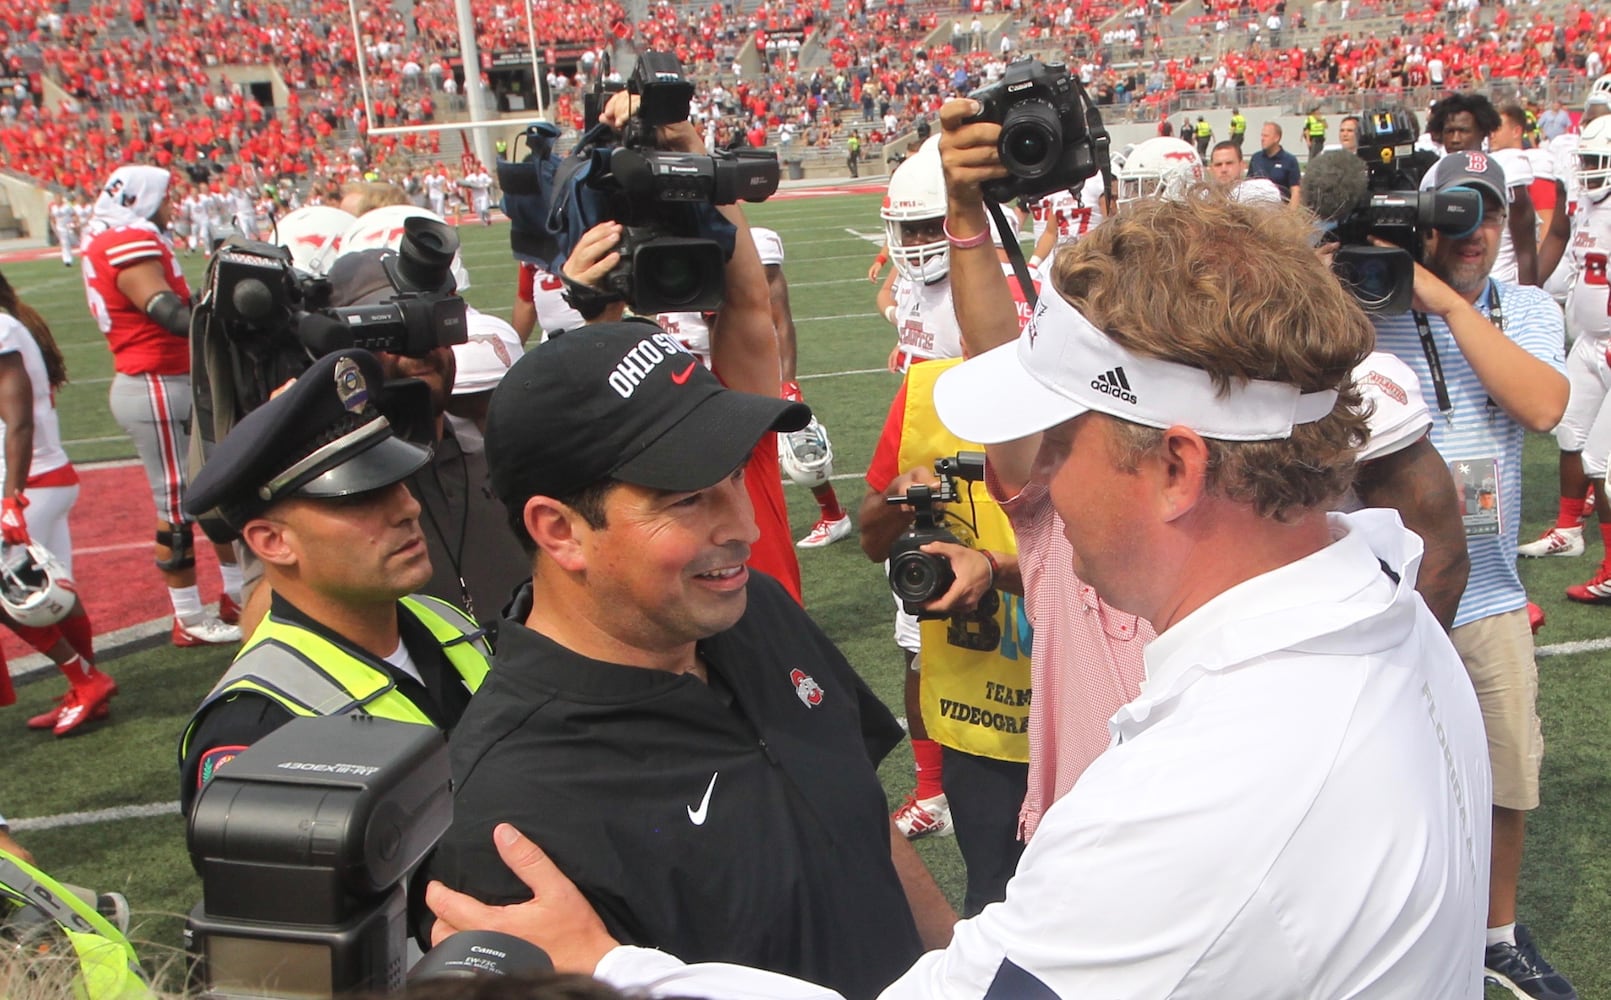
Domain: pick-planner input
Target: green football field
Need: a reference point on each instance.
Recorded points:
(98, 809)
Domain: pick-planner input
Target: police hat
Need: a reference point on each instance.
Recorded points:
(322, 437)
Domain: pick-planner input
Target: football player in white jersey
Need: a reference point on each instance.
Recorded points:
(61, 223)
(479, 183)
(918, 298)
(1584, 433)
(436, 191)
(1062, 217)
(806, 455)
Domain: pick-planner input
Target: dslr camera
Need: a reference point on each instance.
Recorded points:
(918, 577)
(1052, 137)
(675, 245)
(1382, 279)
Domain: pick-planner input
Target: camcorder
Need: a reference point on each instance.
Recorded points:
(918, 577)
(305, 843)
(675, 245)
(1383, 201)
(1052, 136)
(261, 322)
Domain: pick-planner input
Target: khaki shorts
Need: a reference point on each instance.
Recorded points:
(1498, 654)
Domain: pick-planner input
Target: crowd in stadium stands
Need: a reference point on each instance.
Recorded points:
(139, 86)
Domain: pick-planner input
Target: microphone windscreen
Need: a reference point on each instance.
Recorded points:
(1334, 184)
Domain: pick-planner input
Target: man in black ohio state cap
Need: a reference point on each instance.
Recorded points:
(668, 723)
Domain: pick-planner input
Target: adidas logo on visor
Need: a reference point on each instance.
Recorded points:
(1114, 384)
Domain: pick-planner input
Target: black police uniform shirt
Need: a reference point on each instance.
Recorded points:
(239, 721)
(466, 533)
(737, 821)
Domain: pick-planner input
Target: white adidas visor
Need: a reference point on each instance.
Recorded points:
(1063, 366)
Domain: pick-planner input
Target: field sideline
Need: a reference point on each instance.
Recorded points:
(97, 810)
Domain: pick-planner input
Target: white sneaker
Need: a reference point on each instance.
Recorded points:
(924, 817)
(1554, 542)
(207, 632)
(825, 532)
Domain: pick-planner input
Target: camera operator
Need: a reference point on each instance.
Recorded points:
(313, 482)
(475, 567)
(1488, 356)
(1303, 763)
(974, 689)
(140, 301)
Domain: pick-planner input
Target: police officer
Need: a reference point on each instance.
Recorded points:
(313, 481)
(1238, 127)
(1314, 127)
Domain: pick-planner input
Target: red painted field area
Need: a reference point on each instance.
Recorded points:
(113, 528)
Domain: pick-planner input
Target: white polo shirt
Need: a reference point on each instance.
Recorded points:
(1297, 804)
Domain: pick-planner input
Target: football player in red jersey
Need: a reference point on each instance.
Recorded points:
(140, 301)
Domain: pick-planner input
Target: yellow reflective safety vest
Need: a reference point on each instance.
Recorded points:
(1238, 124)
(975, 677)
(107, 967)
(1315, 126)
(308, 675)
(1204, 129)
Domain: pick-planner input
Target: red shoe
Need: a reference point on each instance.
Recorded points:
(228, 611)
(207, 632)
(47, 720)
(1535, 616)
(1596, 591)
(82, 700)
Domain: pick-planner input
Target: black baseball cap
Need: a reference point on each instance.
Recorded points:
(626, 401)
(322, 437)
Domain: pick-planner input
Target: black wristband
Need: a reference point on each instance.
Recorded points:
(586, 299)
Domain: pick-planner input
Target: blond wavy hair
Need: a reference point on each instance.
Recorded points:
(1238, 291)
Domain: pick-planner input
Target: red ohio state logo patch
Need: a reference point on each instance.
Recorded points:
(806, 688)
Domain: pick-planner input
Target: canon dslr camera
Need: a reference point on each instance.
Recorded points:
(918, 577)
(1052, 138)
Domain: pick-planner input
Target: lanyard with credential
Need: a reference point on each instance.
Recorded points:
(1440, 385)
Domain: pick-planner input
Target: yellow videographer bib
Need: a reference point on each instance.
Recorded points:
(975, 688)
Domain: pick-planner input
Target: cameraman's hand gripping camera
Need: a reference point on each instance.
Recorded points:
(1374, 194)
(675, 244)
(919, 577)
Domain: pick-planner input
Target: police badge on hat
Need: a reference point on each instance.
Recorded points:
(351, 388)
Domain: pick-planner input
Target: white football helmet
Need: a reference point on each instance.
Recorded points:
(313, 235)
(34, 588)
(1594, 160)
(1601, 85)
(1163, 167)
(807, 455)
(916, 195)
(382, 229)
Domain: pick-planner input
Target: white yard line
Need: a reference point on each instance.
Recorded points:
(93, 816)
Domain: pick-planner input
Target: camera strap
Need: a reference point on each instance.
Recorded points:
(1015, 252)
(1429, 347)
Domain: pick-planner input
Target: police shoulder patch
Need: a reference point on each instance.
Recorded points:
(212, 760)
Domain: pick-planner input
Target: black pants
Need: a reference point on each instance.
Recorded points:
(1316, 144)
(985, 796)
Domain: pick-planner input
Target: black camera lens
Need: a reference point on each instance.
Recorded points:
(918, 577)
(425, 255)
(674, 278)
(1031, 143)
